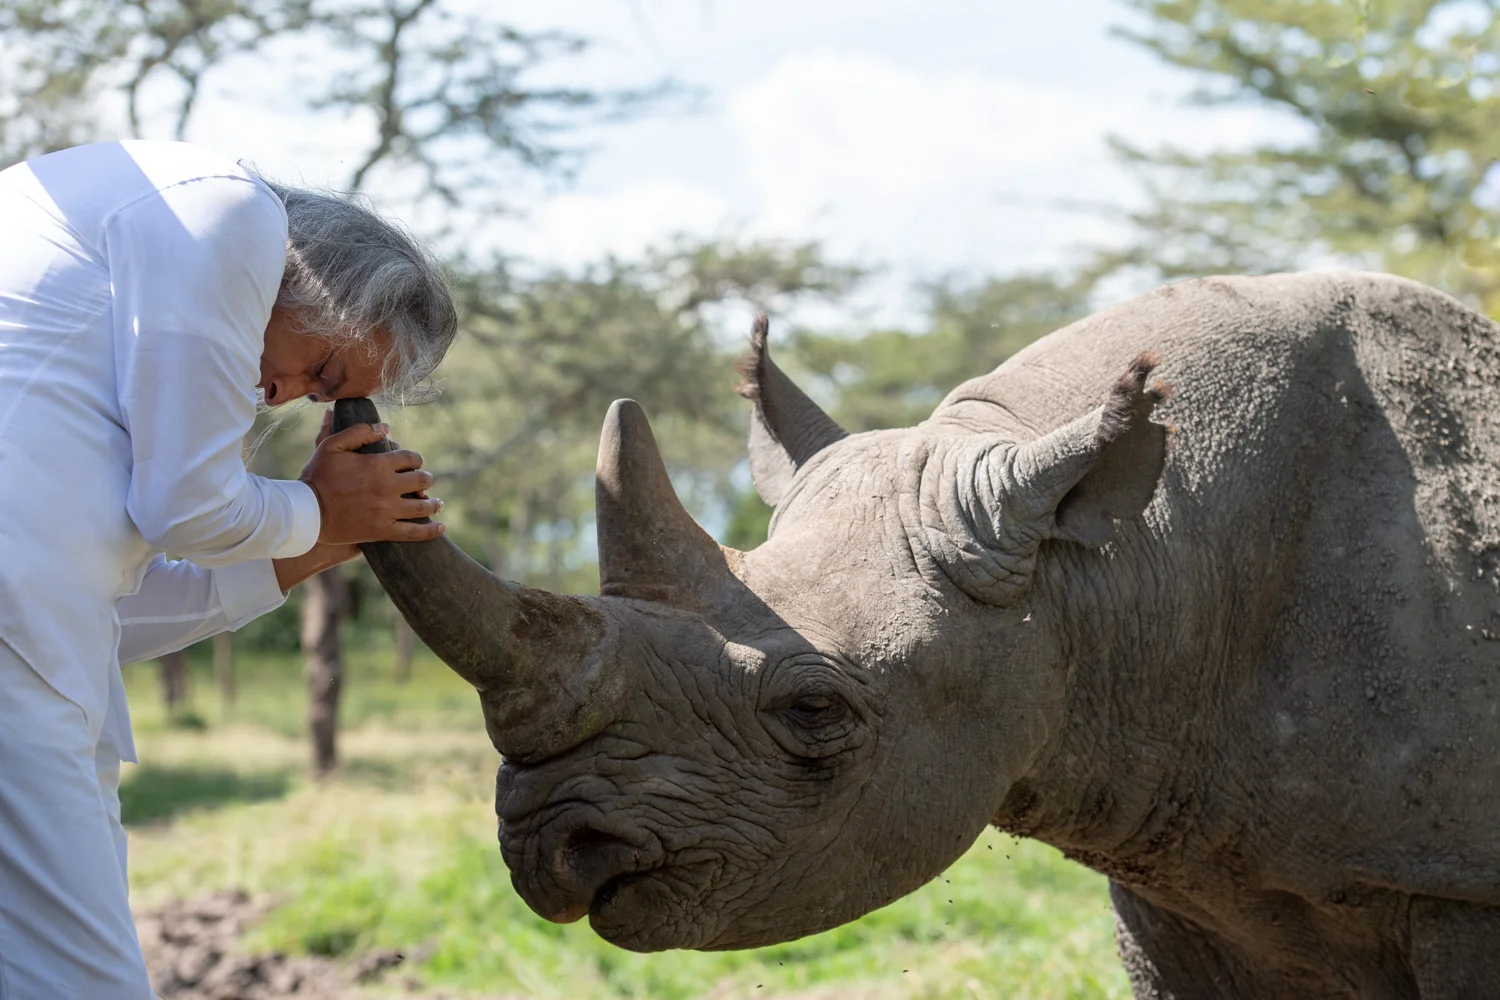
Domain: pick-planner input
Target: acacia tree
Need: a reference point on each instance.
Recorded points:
(1394, 133)
(450, 94)
(65, 57)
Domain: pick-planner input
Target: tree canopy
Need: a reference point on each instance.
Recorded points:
(1396, 105)
(454, 97)
(1387, 161)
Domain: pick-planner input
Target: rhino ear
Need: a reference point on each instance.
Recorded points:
(787, 428)
(1099, 469)
(985, 507)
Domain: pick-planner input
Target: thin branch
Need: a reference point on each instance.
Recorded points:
(386, 108)
(190, 80)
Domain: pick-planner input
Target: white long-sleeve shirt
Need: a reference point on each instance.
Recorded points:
(136, 281)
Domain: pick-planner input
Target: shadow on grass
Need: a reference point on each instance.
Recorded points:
(385, 775)
(154, 794)
(413, 772)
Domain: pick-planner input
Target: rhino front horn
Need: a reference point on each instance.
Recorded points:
(536, 658)
(650, 548)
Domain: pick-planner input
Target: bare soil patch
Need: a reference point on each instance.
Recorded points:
(193, 952)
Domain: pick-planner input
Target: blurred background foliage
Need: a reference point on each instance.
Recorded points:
(1392, 166)
(1393, 170)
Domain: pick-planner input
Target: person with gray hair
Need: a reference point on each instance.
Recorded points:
(153, 294)
(350, 272)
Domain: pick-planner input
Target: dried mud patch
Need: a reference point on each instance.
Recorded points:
(193, 952)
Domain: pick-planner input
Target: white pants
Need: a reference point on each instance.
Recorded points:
(65, 927)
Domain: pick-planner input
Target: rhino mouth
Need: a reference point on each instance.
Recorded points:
(611, 889)
(615, 895)
(650, 910)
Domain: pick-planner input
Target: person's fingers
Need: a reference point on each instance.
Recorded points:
(403, 459)
(408, 509)
(406, 531)
(356, 437)
(326, 428)
(415, 481)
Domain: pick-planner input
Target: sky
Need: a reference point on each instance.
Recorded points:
(928, 137)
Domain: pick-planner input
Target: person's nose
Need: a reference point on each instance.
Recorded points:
(284, 390)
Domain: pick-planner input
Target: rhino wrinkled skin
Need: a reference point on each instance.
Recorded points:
(1202, 590)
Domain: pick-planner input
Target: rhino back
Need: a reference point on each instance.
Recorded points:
(1322, 560)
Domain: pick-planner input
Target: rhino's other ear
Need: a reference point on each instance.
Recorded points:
(1099, 469)
(787, 428)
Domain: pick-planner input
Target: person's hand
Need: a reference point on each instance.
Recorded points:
(361, 496)
(322, 555)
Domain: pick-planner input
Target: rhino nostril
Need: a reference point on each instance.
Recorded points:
(586, 837)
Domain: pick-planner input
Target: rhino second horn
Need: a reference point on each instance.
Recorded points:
(650, 548)
(787, 428)
(534, 656)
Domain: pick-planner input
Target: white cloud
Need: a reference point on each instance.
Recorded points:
(855, 126)
(936, 170)
(575, 227)
(887, 154)
(924, 168)
(896, 165)
(886, 164)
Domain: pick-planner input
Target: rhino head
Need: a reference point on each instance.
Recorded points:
(729, 749)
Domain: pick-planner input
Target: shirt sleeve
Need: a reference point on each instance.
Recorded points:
(194, 270)
(179, 603)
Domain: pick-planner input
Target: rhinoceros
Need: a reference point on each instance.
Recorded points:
(1201, 589)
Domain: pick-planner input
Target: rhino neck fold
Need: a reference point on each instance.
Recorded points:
(1124, 772)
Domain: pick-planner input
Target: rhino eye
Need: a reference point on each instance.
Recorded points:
(816, 710)
(811, 710)
(819, 725)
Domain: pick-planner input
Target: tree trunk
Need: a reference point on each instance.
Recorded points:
(224, 668)
(406, 643)
(174, 680)
(325, 599)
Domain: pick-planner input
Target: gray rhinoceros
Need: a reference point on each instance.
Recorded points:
(1231, 638)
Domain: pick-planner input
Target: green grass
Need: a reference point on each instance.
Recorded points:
(155, 793)
(398, 851)
(271, 695)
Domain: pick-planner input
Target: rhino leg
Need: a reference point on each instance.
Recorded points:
(1168, 958)
(1455, 949)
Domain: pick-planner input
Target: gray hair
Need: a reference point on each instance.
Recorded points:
(350, 272)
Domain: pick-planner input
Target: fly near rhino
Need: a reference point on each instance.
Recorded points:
(1202, 590)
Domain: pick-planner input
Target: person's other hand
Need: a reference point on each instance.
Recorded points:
(322, 554)
(361, 496)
